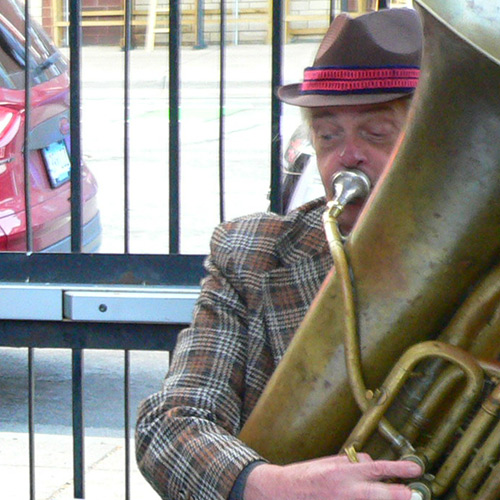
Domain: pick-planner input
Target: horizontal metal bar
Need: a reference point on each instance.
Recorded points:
(111, 303)
(89, 335)
(101, 269)
(138, 306)
(33, 302)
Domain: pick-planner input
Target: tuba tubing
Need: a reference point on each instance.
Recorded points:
(426, 236)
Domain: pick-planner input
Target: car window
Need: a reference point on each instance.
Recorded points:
(46, 61)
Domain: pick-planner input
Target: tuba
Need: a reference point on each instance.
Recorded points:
(419, 377)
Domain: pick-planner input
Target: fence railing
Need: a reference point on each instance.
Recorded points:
(120, 301)
(123, 301)
(115, 302)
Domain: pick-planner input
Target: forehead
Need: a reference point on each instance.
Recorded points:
(384, 110)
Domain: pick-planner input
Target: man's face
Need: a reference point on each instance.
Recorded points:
(361, 137)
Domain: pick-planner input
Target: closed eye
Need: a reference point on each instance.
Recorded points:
(382, 135)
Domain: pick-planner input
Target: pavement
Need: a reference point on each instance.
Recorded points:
(244, 65)
(102, 71)
(104, 469)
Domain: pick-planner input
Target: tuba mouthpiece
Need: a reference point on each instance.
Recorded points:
(347, 186)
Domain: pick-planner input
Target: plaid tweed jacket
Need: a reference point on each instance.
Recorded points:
(263, 272)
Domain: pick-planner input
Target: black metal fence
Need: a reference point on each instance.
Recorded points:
(101, 279)
(42, 293)
(80, 301)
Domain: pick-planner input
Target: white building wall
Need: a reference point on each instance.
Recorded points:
(36, 9)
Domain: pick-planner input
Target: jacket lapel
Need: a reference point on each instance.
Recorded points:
(289, 289)
(288, 293)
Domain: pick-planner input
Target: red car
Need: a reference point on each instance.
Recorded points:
(49, 163)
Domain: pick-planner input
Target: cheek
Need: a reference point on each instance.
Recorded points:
(378, 163)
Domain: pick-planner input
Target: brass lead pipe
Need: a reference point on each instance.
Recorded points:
(351, 344)
(351, 340)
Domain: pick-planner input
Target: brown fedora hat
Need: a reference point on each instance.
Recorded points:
(368, 59)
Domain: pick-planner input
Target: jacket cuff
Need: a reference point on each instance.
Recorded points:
(238, 488)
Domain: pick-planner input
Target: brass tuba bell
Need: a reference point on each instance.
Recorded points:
(422, 258)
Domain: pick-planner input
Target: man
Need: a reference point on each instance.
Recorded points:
(263, 273)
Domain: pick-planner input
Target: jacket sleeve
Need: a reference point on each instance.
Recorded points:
(185, 435)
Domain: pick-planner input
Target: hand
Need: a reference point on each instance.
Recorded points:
(331, 478)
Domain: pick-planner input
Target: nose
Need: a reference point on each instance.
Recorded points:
(352, 154)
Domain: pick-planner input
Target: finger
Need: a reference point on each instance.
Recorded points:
(344, 459)
(364, 458)
(386, 469)
(382, 491)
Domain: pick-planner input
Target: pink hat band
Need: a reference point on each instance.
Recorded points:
(362, 80)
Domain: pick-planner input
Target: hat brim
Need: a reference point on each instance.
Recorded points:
(291, 95)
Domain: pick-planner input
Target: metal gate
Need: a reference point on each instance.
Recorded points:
(126, 301)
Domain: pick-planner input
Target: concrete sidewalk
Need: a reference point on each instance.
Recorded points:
(104, 469)
(244, 65)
